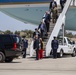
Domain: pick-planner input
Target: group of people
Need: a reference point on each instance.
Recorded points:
(38, 47)
(54, 12)
(43, 29)
(39, 34)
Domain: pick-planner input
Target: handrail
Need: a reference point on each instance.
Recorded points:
(57, 27)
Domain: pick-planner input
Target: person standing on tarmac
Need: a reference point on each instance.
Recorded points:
(54, 46)
(36, 47)
(25, 46)
(41, 48)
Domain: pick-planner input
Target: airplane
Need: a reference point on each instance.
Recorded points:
(31, 11)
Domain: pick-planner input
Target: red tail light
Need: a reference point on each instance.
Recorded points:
(14, 46)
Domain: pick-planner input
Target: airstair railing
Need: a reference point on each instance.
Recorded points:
(57, 27)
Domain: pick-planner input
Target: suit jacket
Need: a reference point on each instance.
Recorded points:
(54, 44)
(25, 43)
(47, 18)
(36, 44)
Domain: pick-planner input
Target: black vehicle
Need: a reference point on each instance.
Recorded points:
(10, 47)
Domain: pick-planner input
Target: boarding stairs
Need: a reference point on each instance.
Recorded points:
(54, 30)
(46, 38)
(57, 27)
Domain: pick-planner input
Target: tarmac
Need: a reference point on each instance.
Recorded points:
(45, 66)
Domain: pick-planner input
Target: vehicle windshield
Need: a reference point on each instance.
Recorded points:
(69, 41)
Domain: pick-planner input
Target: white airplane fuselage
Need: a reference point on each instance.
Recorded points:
(32, 11)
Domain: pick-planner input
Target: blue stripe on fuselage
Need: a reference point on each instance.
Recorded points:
(4, 1)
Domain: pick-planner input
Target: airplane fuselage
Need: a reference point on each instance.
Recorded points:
(32, 11)
(23, 1)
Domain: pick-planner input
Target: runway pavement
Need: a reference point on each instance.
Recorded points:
(45, 66)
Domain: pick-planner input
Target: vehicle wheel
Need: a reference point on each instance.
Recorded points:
(60, 55)
(8, 59)
(74, 53)
(2, 57)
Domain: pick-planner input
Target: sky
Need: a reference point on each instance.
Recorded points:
(9, 23)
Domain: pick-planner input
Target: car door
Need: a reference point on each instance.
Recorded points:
(70, 46)
(66, 47)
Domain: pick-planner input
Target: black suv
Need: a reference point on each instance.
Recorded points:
(10, 47)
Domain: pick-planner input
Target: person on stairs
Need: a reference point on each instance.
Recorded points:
(62, 3)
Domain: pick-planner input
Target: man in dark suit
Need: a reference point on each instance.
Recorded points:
(54, 46)
(62, 2)
(36, 46)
